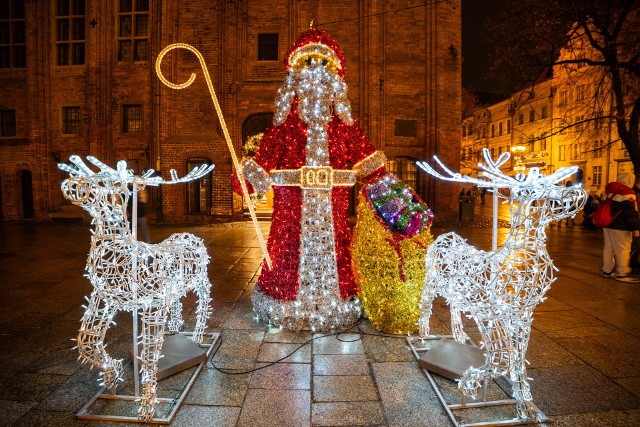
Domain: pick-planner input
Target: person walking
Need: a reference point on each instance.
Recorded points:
(618, 235)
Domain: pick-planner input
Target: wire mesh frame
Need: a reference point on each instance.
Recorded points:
(175, 403)
(483, 403)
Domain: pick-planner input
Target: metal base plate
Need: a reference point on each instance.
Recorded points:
(178, 353)
(122, 406)
(450, 359)
(496, 407)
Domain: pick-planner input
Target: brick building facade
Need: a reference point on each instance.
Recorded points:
(78, 77)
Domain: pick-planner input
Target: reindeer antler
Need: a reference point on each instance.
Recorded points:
(497, 178)
(122, 174)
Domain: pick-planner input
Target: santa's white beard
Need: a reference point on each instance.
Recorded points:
(318, 90)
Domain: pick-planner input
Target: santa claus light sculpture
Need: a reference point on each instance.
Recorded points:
(304, 157)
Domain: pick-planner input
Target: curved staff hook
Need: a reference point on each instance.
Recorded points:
(214, 98)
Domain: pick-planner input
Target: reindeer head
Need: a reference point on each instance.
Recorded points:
(105, 194)
(537, 198)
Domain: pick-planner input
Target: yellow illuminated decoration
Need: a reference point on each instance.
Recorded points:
(249, 201)
(380, 260)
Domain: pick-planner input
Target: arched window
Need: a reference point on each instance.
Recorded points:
(255, 124)
(405, 168)
(199, 191)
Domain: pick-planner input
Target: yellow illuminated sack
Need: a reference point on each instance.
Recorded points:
(389, 270)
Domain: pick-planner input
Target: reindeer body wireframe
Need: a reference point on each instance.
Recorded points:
(128, 274)
(500, 289)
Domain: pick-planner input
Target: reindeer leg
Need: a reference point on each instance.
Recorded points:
(496, 355)
(456, 325)
(426, 307)
(95, 322)
(202, 312)
(175, 315)
(518, 376)
(153, 320)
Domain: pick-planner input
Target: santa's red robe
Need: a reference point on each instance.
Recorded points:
(283, 148)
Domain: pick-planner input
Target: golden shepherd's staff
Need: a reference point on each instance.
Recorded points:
(212, 92)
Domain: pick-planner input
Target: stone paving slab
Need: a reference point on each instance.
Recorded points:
(577, 389)
(344, 388)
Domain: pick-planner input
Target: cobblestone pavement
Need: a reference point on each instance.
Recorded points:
(583, 352)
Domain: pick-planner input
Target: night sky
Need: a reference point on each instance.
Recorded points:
(475, 62)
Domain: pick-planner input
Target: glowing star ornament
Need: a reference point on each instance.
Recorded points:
(500, 289)
(130, 275)
(304, 157)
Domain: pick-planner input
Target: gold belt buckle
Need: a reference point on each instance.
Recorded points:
(316, 177)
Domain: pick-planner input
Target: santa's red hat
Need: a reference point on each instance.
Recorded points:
(316, 43)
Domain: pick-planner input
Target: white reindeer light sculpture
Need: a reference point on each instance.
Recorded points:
(500, 289)
(128, 275)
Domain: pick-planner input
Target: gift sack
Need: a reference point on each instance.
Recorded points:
(388, 252)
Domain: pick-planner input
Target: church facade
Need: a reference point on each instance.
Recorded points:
(78, 77)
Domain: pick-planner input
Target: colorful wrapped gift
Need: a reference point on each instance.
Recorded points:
(390, 240)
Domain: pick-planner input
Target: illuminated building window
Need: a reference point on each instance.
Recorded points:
(581, 92)
(562, 152)
(7, 122)
(70, 32)
(596, 175)
(598, 148)
(405, 168)
(268, 47)
(133, 30)
(13, 44)
(71, 122)
(563, 98)
(199, 191)
(132, 118)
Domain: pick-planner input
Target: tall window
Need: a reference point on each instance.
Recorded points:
(543, 144)
(579, 123)
(532, 115)
(520, 118)
(133, 30)
(597, 176)
(575, 151)
(132, 118)
(405, 169)
(493, 130)
(581, 92)
(508, 126)
(543, 112)
(562, 152)
(70, 32)
(71, 123)
(13, 39)
(598, 148)
(199, 191)
(7, 122)
(563, 98)
(268, 47)
(500, 129)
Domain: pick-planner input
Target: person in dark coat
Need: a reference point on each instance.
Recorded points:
(618, 235)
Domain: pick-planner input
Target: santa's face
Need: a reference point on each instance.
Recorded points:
(318, 89)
